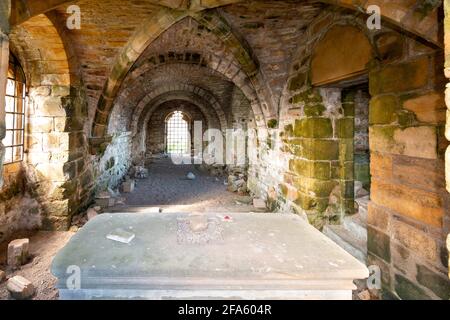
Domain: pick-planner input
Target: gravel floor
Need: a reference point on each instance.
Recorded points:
(167, 187)
(43, 247)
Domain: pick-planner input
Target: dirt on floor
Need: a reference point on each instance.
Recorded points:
(168, 188)
(43, 247)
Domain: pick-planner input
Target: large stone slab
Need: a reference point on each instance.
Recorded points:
(262, 256)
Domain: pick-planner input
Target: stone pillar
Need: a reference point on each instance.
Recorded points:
(4, 58)
(345, 132)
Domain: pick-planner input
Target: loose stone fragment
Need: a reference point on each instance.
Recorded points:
(190, 176)
(18, 252)
(364, 295)
(91, 214)
(259, 203)
(105, 200)
(20, 288)
(2, 276)
(121, 235)
(128, 186)
(140, 172)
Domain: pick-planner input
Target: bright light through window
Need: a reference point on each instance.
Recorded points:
(15, 113)
(177, 134)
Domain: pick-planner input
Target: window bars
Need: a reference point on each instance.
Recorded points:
(14, 113)
(178, 139)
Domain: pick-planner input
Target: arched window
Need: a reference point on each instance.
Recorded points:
(14, 112)
(178, 140)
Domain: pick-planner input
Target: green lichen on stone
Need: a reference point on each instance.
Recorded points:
(314, 110)
(312, 204)
(345, 128)
(311, 169)
(314, 187)
(272, 123)
(346, 149)
(383, 109)
(320, 149)
(310, 96)
(313, 128)
(346, 170)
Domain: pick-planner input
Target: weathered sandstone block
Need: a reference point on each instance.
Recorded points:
(18, 252)
(20, 288)
(128, 186)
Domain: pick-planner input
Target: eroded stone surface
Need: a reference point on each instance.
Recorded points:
(20, 288)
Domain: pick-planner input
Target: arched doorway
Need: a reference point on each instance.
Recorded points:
(178, 138)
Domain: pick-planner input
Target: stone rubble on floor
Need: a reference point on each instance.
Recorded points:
(91, 214)
(18, 252)
(140, 172)
(259, 203)
(365, 295)
(237, 181)
(20, 288)
(128, 185)
(190, 176)
(105, 200)
(80, 220)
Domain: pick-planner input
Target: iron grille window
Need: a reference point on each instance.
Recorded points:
(14, 112)
(177, 134)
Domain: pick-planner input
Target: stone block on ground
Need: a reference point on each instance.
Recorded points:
(190, 176)
(259, 203)
(18, 252)
(91, 214)
(20, 288)
(128, 186)
(140, 172)
(364, 295)
(104, 200)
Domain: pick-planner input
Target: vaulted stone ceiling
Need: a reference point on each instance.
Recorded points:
(259, 37)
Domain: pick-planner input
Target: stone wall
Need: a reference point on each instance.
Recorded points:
(18, 211)
(113, 165)
(409, 206)
(409, 201)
